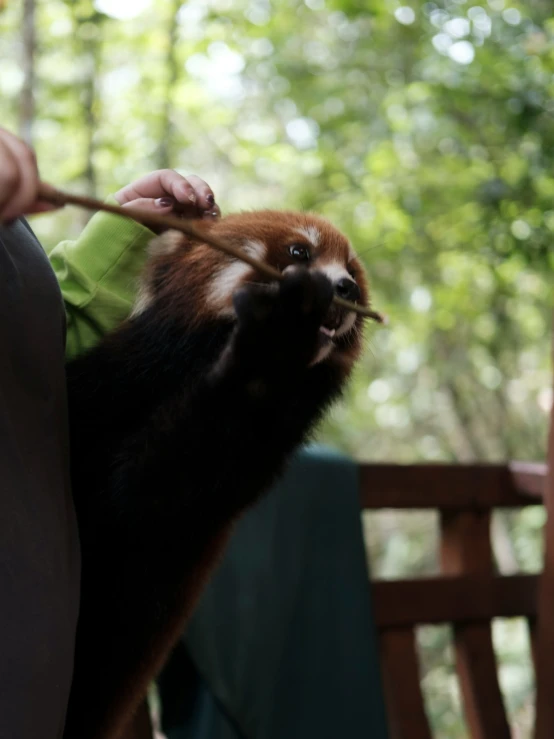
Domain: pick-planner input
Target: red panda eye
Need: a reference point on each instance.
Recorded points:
(299, 252)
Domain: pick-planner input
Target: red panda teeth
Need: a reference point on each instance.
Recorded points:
(330, 332)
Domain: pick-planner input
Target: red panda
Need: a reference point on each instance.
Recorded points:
(180, 419)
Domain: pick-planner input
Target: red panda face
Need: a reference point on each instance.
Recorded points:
(199, 281)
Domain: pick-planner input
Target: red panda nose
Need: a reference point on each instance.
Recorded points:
(347, 289)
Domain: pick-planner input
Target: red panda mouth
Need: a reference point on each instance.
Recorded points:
(333, 327)
(329, 332)
(334, 319)
(336, 327)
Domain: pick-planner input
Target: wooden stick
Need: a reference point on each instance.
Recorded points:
(188, 227)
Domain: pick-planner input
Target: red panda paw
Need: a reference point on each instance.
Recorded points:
(298, 303)
(306, 295)
(281, 323)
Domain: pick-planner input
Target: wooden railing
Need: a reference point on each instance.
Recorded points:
(468, 594)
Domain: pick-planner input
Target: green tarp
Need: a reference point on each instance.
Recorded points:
(282, 645)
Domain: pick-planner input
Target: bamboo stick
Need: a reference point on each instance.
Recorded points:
(188, 227)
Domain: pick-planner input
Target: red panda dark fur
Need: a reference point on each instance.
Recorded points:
(180, 419)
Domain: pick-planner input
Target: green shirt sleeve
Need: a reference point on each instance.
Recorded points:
(98, 275)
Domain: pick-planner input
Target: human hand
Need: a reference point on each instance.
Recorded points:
(165, 191)
(19, 179)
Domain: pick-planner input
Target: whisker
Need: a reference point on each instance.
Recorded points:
(367, 249)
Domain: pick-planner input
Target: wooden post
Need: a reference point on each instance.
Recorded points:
(544, 647)
(402, 685)
(466, 550)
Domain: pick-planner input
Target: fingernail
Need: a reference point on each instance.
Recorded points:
(210, 198)
(164, 202)
(192, 197)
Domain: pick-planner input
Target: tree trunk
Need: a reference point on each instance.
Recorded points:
(172, 70)
(27, 102)
(90, 116)
(88, 52)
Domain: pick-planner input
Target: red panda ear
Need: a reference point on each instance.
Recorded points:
(168, 243)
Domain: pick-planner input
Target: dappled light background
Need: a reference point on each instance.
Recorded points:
(424, 131)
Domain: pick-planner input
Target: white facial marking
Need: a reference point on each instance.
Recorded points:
(351, 253)
(225, 283)
(323, 353)
(334, 271)
(167, 243)
(143, 300)
(347, 324)
(311, 233)
(230, 277)
(254, 248)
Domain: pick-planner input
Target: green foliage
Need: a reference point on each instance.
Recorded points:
(424, 131)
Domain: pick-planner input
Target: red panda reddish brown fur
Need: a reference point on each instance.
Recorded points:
(181, 419)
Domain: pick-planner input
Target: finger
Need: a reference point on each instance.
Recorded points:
(183, 192)
(158, 184)
(9, 176)
(193, 196)
(150, 186)
(205, 198)
(24, 193)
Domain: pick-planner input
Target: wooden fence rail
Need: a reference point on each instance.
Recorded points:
(468, 594)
